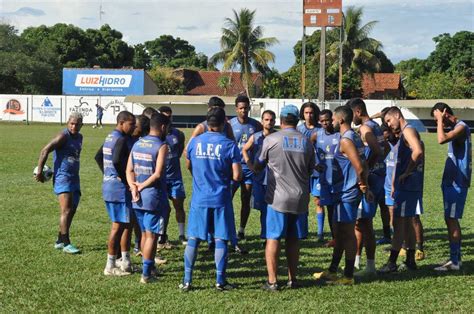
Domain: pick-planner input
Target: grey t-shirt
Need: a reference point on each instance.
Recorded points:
(290, 159)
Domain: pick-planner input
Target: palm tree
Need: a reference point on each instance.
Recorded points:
(358, 49)
(243, 47)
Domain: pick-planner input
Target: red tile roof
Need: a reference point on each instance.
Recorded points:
(206, 82)
(379, 82)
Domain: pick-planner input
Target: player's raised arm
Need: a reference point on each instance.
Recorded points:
(57, 142)
(444, 137)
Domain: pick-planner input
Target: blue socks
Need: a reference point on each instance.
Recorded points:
(320, 219)
(148, 265)
(220, 257)
(190, 254)
(455, 251)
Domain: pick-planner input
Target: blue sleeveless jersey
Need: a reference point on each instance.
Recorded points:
(260, 178)
(66, 163)
(307, 132)
(173, 166)
(144, 154)
(212, 155)
(242, 133)
(325, 147)
(414, 182)
(458, 166)
(349, 186)
(379, 166)
(390, 162)
(113, 189)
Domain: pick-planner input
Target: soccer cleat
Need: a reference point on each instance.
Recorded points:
(383, 241)
(71, 249)
(147, 279)
(185, 287)
(240, 250)
(160, 260)
(325, 275)
(183, 240)
(407, 266)
(330, 243)
(272, 287)
(343, 281)
(292, 284)
(225, 286)
(448, 267)
(403, 252)
(58, 245)
(365, 273)
(241, 236)
(115, 272)
(388, 268)
(164, 246)
(420, 255)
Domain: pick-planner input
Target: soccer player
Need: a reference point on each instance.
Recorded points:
(407, 189)
(214, 102)
(213, 160)
(100, 114)
(456, 177)
(289, 156)
(66, 148)
(243, 127)
(174, 179)
(325, 142)
(374, 142)
(350, 182)
(147, 180)
(250, 153)
(390, 162)
(116, 193)
(148, 112)
(309, 113)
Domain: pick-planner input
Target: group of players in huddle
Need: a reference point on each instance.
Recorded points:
(348, 173)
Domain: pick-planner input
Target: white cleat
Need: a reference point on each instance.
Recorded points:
(449, 266)
(116, 272)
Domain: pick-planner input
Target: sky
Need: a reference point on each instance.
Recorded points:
(405, 27)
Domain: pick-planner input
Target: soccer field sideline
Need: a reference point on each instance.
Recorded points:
(35, 277)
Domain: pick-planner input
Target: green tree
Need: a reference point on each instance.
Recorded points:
(167, 81)
(243, 46)
(141, 58)
(438, 85)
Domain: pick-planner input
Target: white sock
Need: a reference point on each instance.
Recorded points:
(370, 265)
(110, 261)
(181, 228)
(357, 262)
(126, 257)
(241, 229)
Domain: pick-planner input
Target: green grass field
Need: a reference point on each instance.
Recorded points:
(35, 277)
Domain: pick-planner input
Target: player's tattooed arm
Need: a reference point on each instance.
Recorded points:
(131, 180)
(414, 143)
(245, 153)
(57, 142)
(159, 169)
(99, 158)
(444, 137)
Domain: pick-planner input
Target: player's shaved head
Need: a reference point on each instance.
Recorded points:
(125, 116)
(215, 117)
(149, 111)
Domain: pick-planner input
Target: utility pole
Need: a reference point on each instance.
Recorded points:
(303, 65)
(322, 66)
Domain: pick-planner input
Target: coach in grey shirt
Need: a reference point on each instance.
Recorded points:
(290, 159)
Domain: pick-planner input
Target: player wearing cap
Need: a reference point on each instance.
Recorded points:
(456, 177)
(289, 158)
(213, 160)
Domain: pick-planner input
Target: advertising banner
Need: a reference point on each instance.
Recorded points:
(112, 106)
(103, 82)
(14, 107)
(47, 108)
(87, 106)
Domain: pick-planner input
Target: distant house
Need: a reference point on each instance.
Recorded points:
(207, 83)
(382, 86)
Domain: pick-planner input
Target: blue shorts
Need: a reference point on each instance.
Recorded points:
(367, 209)
(118, 211)
(454, 199)
(406, 203)
(175, 188)
(284, 225)
(247, 178)
(76, 197)
(389, 201)
(326, 197)
(258, 195)
(346, 212)
(218, 222)
(151, 221)
(314, 186)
